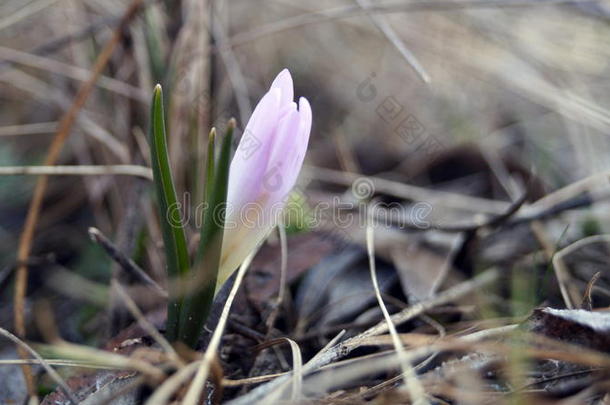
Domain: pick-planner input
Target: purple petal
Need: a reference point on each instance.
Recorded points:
(250, 161)
(296, 156)
(285, 137)
(305, 126)
(278, 173)
(283, 81)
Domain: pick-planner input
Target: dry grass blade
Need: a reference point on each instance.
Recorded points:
(103, 358)
(73, 72)
(571, 190)
(109, 170)
(117, 396)
(328, 346)
(444, 297)
(29, 129)
(277, 387)
(233, 69)
(25, 12)
(56, 362)
(483, 334)
(587, 299)
(407, 191)
(283, 271)
(63, 131)
(386, 29)
(145, 324)
(251, 380)
(162, 395)
(341, 12)
(297, 375)
(416, 390)
(52, 373)
(196, 389)
(562, 271)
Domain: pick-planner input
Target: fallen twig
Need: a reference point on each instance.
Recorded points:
(126, 263)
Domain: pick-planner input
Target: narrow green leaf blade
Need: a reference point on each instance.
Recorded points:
(210, 168)
(170, 214)
(205, 270)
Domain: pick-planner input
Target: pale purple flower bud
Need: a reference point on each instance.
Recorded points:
(264, 170)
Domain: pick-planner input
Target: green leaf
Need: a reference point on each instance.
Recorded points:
(170, 215)
(205, 270)
(210, 168)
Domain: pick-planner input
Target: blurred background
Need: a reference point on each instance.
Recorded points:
(475, 98)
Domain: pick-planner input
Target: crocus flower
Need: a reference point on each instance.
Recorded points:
(263, 171)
